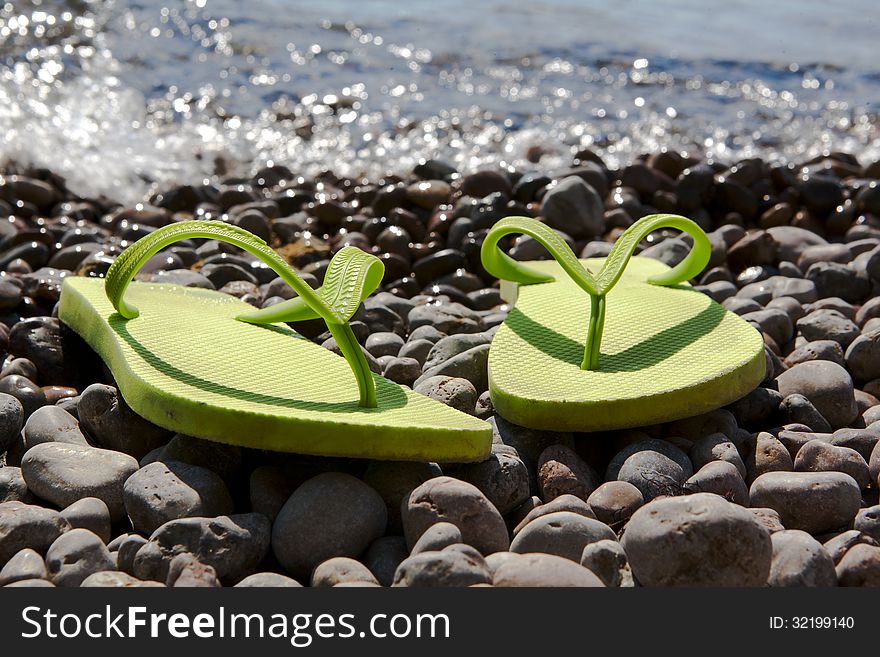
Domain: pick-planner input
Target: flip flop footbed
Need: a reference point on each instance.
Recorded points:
(186, 364)
(666, 353)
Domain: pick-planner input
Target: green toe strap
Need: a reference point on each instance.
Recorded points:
(501, 265)
(351, 276)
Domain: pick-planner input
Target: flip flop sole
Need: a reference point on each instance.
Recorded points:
(667, 353)
(188, 365)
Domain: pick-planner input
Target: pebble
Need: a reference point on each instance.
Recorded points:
(543, 571)
(384, 343)
(568, 503)
(561, 471)
(797, 409)
(471, 365)
(75, 555)
(800, 560)
(868, 522)
(51, 424)
(453, 345)
(39, 340)
(24, 564)
(456, 393)
(113, 425)
(654, 473)
(721, 478)
(446, 318)
(331, 515)
(816, 502)
(716, 447)
(446, 568)
(11, 420)
(116, 579)
(503, 478)
(614, 502)
(607, 560)
(860, 566)
(697, 540)
(574, 207)
(28, 393)
(169, 490)
(92, 514)
(185, 571)
(820, 456)
(828, 325)
(863, 356)
(437, 537)
(383, 557)
(562, 533)
(404, 371)
(127, 550)
(451, 500)
(528, 443)
(841, 543)
(268, 580)
(232, 545)
(768, 518)
(62, 473)
(827, 385)
(13, 487)
(28, 526)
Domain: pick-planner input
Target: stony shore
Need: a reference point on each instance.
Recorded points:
(779, 488)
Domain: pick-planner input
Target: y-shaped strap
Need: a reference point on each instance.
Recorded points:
(351, 276)
(503, 266)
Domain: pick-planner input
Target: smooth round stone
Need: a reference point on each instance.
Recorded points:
(606, 559)
(92, 514)
(384, 344)
(614, 502)
(562, 533)
(573, 206)
(860, 566)
(115, 579)
(232, 545)
(28, 393)
(444, 499)
(874, 464)
(457, 393)
(25, 564)
(330, 515)
(868, 522)
(654, 474)
(697, 540)
(39, 340)
(798, 409)
(721, 478)
(168, 490)
(63, 473)
(268, 580)
(800, 560)
(383, 557)
(446, 568)
(661, 447)
(503, 478)
(840, 544)
(716, 447)
(404, 371)
(471, 365)
(863, 356)
(417, 350)
(113, 425)
(28, 526)
(453, 345)
(828, 324)
(446, 318)
(11, 420)
(561, 471)
(186, 571)
(774, 322)
(816, 502)
(566, 502)
(437, 537)
(340, 570)
(820, 456)
(51, 424)
(13, 487)
(544, 570)
(75, 555)
(183, 277)
(767, 518)
(828, 387)
(861, 440)
(126, 551)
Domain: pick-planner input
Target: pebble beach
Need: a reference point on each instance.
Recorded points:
(777, 489)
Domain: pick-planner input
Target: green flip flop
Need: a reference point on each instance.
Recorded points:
(640, 347)
(207, 364)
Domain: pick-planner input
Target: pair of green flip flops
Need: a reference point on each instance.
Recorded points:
(640, 347)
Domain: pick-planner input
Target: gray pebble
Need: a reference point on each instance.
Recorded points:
(268, 580)
(800, 560)
(24, 564)
(404, 371)
(384, 343)
(562, 533)
(437, 537)
(13, 487)
(764, 453)
(826, 324)
(561, 471)
(827, 385)
(606, 559)
(614, 502)
(721, 478)
(817, 350)
(529, 443)
(116, 579)
(75, 555)
(767, 518)
(28, 526)
(575, 207)
(460, 503)
(457, 393)
(697, 540)
(543, 570)
(562, 503)
(863, 356)
(471, 365)
(113, 425)
(445, 568)
(868, 522)
(453, 345)
(860, 566)
(185, 571)
(63, 473)
(11, 420)
(418, 350)
(92, 514)
(840, 544)
(820, 456)
(331, 515)
(716, 447)
(446, 318)
(51, 424)
(231, 545)
(503, 478)
(816, 502)
(168, 490)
